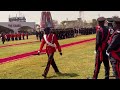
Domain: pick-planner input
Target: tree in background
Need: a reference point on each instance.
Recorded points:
(94, 22)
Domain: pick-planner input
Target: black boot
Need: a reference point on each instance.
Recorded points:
(59, 73)
(114, 74)
(91, 78)
(106, 77)
(44, 76)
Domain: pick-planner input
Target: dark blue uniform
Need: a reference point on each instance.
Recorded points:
(111, 30)
(3, 38)
(114, 49)
(101, 47)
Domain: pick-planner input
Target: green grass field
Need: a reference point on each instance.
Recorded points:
(77, 62)
(14, 50)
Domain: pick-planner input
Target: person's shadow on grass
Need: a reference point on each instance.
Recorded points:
(64, 74)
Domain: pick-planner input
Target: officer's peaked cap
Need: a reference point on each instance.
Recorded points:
(110, 20)
(116, 19)
(47, 29)
(101, 19)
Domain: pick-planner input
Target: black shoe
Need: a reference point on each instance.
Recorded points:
(106, 77)
(44, 75)
(114, 74)
(90, 78)
(59, 73)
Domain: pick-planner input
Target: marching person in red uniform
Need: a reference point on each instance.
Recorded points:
(19, 35)
(12, 36)
(27, 35)
(113, 49)
(50, 40)
(102, 36)
(2, 37)
(16, 36)
(7, 37)
(23, 35)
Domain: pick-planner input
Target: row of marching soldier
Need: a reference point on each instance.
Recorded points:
(108, 47)
(68, 32)
(72, 32)
(13, 36)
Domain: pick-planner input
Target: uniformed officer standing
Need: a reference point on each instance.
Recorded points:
(111, 30)
(37, 34)
(50, 39)
(110, 25)
(113, 49)
(23, 35)
(101, 47)
(3, 37)
(40, 35)
(12, 36)
(6, 36)
(19, 35)
(27, 35)
(16, 36)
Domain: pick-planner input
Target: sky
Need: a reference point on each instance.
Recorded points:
(34, 16)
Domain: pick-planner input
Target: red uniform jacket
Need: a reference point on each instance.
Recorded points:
(50, 49)
(12, 35)
(15, 35)
(23, 34)
(26, 34)
(19, 34)
(8, 35)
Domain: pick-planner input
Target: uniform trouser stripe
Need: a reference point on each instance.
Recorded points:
(117, 69)
(98, 64)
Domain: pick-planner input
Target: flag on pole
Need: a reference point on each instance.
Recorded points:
(43, 20)
(46, 20)
(49, 20)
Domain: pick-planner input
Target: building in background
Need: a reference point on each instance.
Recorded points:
(17, 24)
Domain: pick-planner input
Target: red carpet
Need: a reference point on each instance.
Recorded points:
(18, 44)
(7, 59)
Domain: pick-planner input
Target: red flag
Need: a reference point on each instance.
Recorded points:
(43, 20)
(46, 20)
(49, 20)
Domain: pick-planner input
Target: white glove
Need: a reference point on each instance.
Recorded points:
(107, 53)
(38, 52)
(94, 52)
